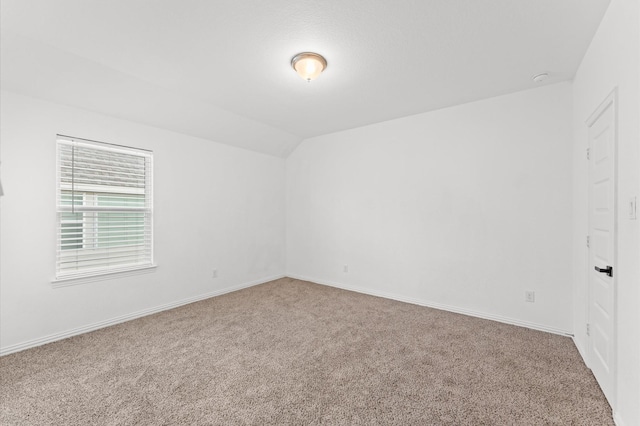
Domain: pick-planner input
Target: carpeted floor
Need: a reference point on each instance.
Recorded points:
(293, 352)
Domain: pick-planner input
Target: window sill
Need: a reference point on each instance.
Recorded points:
(77, 280)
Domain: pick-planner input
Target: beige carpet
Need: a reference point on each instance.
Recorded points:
(293, 352)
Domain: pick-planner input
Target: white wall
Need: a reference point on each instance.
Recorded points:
(216, 206)
(463, 208)
(612, 61)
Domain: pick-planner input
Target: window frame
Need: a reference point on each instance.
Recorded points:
(91, 210)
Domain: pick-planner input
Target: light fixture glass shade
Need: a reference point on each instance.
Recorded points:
(308, 65)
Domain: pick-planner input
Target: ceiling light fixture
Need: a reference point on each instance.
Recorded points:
(308, 65)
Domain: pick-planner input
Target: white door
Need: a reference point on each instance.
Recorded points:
(601, 268)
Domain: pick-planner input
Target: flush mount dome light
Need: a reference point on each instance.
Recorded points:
(308, 65)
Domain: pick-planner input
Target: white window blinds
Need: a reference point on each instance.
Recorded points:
(104, 208)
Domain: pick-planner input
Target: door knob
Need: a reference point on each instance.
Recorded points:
(608, 270)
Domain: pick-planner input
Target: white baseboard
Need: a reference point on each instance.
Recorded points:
(123, 318)
(427, 303)
(617, 420)
(581, 352)
(128, 317)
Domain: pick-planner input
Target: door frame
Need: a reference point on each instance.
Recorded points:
(610, 100)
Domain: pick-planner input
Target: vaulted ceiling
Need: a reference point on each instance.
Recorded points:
(220, 69)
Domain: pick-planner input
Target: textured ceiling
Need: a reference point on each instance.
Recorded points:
(221, 69)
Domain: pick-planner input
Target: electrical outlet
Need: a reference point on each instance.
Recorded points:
(214, 274)
(530, 296)
(345, 268)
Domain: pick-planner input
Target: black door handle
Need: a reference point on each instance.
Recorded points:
(608, 270)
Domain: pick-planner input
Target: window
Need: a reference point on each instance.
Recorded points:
(104, 207)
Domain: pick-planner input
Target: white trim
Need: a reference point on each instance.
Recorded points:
(128, 317)
(581, 351)
(441, 306)
(102, 275)
(112, 146)
(617, 419)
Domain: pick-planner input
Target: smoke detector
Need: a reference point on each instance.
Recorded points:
(539, 78)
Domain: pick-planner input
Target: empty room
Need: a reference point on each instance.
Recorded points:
(320, 212)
